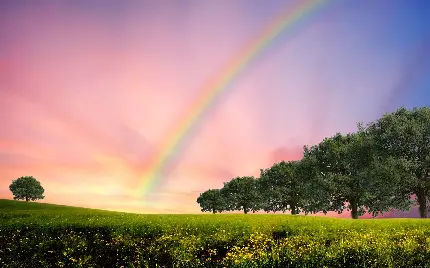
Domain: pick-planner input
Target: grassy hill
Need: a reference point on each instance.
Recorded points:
(12, 205)
(52, 235)
(32, 213)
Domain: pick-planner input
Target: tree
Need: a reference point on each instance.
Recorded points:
(241, 194)
(405, 135)
(27, 188)
(211, 200)
(282, 188)
(315, 192)
(353, 178)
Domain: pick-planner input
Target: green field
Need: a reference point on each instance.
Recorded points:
(44, 235)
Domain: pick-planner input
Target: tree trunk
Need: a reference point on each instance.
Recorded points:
(213, 210)
(354, 209)
(245, 210)
(26, 199)
(421, 198)
(293, 209)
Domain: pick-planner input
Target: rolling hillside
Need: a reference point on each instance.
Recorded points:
(12, 205)
(62, 236)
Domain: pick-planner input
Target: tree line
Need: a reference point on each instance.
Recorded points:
(382, 166)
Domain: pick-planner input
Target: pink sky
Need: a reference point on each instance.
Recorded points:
(89, 93)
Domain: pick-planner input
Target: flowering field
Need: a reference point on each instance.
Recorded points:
(42, 235)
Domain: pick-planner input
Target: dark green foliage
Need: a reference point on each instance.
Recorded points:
(211, 201)
(26, 188)
(241, 193)
(405, 134)
(282, 187)
(376, 169)
(351, 177)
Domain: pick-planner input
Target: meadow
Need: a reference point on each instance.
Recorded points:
(45, 235)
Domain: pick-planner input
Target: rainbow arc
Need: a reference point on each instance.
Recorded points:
(286, 21)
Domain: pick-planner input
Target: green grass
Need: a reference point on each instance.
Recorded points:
(53, 235)
(16, 206)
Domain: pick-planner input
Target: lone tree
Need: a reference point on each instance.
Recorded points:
(27, 188)
(211, 200)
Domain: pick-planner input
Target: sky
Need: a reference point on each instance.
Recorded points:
(91, 90)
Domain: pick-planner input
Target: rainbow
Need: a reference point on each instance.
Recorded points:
(182, 130)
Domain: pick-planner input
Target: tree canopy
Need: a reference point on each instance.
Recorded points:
(26, 188)
(241, 194)
(212, 201)
(375, 169)
(282, 188)
(353, 178)
(405, 134)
